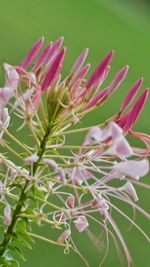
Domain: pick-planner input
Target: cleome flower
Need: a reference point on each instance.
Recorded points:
(45, 180)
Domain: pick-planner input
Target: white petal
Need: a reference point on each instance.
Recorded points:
(123, 149)
(5, 94)
(5, 119)
(129, 188)
(51, 163)
(24, 97)
(133, 168)
(94, 136)
(31, 159)
(12, 76)
(116, 131)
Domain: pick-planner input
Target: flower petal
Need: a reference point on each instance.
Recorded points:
(133, 168)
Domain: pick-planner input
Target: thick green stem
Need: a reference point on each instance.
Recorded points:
(10, 230)
(23, 196)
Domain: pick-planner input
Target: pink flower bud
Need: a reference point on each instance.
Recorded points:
(53, 52)
(131, 94)
(81, 223)
(64, 236)
(31, 159)
(41, 60)
(81, 74)
(99, 71)
(71, 201)
(79, 62)
(97, 99)
(100, 202)
(7, 215)
(32, 54)
(75, 90)
(118, 79)
(53, 70)
(136, 110)
(51, 163)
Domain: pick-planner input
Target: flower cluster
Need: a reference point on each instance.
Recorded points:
(70, 187)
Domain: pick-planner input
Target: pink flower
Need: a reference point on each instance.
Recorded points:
(111, 135)
(72, 185)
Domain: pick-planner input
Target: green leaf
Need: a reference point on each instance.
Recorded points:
(22, 242)
(13, 263)
(26, 235)
(3, 262)
(7, 260)
(24, 225)
(17, 251)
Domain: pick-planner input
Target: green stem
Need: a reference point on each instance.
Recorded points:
(16, 140)
(23, 196)
(10, 230)
(74, 131)
(3, 143)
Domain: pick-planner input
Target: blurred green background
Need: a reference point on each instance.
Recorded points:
(101, 25)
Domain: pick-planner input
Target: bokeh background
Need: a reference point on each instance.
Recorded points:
(101, 25)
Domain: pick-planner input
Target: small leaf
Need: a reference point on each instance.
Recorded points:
(17, 251)
(26, 235)
(22, 242)
(13, 263)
